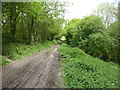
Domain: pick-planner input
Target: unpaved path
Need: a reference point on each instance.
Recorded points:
(37, 71)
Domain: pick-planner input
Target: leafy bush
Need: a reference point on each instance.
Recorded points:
(83, 28)
(81, 70)
(55, 41)
(71, 29)
(113, 30)
(90, 35)
(90, 25)
(101, 46)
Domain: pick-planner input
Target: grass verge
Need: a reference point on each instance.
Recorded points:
(81, 70)
(15, 51)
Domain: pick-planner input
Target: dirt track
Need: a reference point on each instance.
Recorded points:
(37, 71)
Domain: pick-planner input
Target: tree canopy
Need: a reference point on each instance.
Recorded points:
(32, 21)
(108, 12)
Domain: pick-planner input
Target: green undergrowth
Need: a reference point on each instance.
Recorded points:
(4, 61)
(15, 51)
(81, 70)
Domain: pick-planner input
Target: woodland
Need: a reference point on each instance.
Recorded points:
(90, 44)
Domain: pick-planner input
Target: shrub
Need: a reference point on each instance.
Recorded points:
(101, 45)
(90, 25)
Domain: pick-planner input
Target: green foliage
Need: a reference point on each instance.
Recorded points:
(80, 29)
(113, 30)
(15, 51)
(90, 25)
(90, 35)
(29, 22)
(101, 45)
(71, 29)
(81, 70)
(27, 27)
(4, 61)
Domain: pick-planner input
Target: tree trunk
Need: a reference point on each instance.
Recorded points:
(12, 27)
(31, 31)
(22, 25)
(13, 22)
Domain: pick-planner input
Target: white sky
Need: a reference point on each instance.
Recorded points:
(82, 8)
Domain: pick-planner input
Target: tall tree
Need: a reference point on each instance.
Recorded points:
(35, 21)
(108, 12)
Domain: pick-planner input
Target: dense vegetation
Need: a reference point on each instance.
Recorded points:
(92, 57)
(17, 51)
(81, 70)
(91, 35)
(90, 46)
(31, 21)
(29, 26)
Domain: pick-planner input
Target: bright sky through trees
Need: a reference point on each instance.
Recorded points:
(80, 8)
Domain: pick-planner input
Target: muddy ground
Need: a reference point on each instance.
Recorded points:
(37, 71)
